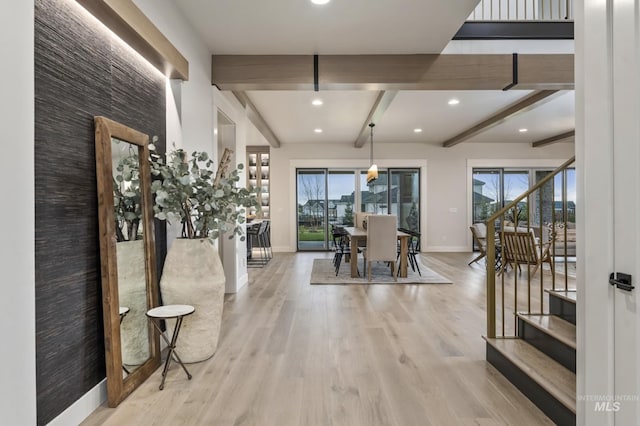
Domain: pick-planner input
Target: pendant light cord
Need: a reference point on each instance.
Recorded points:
(371, 147)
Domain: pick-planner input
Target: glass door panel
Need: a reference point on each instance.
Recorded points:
(405, 197)
(515, 183)
(341, 193)
(312, 209)
(487, 193)
(374, 198)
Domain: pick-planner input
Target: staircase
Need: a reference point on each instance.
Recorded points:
(541, 359)
(531, 309)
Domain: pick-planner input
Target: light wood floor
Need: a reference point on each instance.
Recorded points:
(295, 354)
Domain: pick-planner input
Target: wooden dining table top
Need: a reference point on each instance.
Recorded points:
(361, 232)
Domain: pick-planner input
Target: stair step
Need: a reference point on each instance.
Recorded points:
(568, 295)
(563, 304)
(554, 326)
(552, 377)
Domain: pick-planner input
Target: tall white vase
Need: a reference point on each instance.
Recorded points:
(193, 275)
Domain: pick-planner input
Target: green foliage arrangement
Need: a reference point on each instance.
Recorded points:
(127, 198)
(187, 189)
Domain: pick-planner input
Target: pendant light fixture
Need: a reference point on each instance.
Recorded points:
(372, 173)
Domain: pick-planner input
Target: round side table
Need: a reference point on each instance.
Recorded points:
(165, 313)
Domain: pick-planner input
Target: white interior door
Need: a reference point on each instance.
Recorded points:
(626, 182)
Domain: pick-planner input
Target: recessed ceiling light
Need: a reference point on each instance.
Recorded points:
(523, 130)
(417, 130)
(316, 102)
(453, 101)
(317, 130)
(320, 1)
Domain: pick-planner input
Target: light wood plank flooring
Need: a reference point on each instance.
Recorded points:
(295, 354)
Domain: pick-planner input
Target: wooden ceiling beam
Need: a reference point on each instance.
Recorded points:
(129, 23)
(391, 72)
(526, 104)
(256, 118)
(382, 102)
(554, 139)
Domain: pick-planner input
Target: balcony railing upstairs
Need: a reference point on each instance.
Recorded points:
(523, 10)
(532, 252)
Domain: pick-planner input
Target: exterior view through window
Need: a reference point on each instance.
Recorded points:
(330, 197)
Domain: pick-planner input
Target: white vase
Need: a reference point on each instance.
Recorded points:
(193, 275)
(132, 293)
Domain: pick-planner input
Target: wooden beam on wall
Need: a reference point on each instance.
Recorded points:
(389, 72)
(256, 118)
(382, 102)
(526, 104)
(262, 72)
(128, 22)
(554, 139)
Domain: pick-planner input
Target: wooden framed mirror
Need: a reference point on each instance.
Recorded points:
(127, 253)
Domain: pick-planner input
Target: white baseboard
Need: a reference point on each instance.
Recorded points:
(450, 249)
(80, 410)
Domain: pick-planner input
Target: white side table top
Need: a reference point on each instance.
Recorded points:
(123, 310)
(171, 311)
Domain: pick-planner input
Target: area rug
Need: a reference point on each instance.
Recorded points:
(323, 272)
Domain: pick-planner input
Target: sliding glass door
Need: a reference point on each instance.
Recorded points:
(331, 197)
(340, 197)
(404, 197)
(312, 209)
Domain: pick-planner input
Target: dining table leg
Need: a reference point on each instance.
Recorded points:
(354, 256)
(404, 254)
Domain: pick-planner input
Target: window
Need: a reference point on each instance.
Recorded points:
(330, 197)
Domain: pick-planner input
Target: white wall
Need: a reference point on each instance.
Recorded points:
(190, 112)
(246, 134)
(193, 105)
(17, 249)
(446, 182)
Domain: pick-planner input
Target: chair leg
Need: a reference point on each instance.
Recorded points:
(369, 268)
(394, 272)
(480, 256)
(415, 261)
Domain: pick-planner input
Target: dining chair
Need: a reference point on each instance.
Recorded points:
(381, 242)
(413, 249)
(523, 248)
(479, 233)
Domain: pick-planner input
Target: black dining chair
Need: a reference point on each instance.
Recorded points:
(413, 249)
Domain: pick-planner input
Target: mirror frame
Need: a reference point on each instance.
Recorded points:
(119, 387)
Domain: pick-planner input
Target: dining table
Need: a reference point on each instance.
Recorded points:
(356, 235)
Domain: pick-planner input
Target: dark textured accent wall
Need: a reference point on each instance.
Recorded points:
(80, 72)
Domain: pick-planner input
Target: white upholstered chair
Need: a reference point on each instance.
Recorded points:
(381, 242)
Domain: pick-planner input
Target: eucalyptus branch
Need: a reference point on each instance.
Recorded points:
(206, 203)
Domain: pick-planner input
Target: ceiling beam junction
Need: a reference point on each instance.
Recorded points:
(382, 102)
(256, 118)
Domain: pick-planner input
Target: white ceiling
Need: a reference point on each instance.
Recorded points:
(366, 27)
(293, 118)
(548, 119)
(439, 121)
(340, 27)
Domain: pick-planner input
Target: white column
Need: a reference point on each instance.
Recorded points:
(17, 246)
